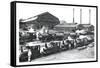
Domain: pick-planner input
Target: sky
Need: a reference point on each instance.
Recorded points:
(25, 11)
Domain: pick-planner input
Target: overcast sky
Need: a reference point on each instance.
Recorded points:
(25, 11)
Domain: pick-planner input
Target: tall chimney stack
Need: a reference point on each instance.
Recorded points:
(89, 16)
(73, 16)
(80, 16)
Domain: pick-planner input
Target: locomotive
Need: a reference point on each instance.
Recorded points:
(54, 43)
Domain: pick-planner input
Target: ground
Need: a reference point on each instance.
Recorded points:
(85, 53)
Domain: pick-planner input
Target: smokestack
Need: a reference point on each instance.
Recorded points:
(73, 16)
(89, 16)
(80, 16)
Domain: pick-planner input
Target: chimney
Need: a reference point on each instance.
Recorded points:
(73, 16)
(80, 16)
(89, 16)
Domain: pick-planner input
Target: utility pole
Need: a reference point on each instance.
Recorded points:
(73, 16)
(89, 16)
(80, 16)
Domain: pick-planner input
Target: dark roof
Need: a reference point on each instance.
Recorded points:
(44, 14)
(86, 25)
(66, 25)
(45, 18)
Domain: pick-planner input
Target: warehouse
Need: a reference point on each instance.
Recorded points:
(37, 22)
(68, 27)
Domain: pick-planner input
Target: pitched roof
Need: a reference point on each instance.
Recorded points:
(29, 19)
(45, 18)
(45, 14)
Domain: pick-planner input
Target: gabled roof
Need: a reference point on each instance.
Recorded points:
(29, 19)
(45, 18)
(44, 15)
